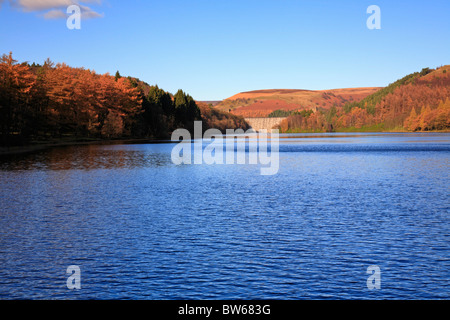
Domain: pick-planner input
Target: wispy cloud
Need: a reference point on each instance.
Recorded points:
(56, 9)
(54, 14)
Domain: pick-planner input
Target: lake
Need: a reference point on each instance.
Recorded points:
(140, 227)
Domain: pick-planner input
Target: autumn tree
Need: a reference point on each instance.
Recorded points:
(411, 122)
(16, 82)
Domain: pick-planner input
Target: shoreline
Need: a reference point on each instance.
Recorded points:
(43, 145)
(367, 131)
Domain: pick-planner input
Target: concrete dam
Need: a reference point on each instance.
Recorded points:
(263, 123)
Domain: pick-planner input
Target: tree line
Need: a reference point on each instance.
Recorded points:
(54, 101)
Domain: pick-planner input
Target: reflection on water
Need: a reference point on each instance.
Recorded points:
(366, 138)
(89, 157)
(137, 156)
(140, 227)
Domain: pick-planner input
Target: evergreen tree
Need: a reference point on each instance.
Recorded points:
(117, 76)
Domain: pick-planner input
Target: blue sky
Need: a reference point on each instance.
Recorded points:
(214, 49)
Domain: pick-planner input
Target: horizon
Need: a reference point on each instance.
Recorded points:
(216, 50)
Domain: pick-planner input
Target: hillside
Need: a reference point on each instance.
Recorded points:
(262, 103)
(216, 119)
(418, 102)
(54, 102)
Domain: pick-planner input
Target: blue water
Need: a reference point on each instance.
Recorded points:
(140, 227)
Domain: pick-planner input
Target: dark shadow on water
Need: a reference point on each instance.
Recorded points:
(87, 158)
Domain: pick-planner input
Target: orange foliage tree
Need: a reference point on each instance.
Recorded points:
(16, 83)
(430, 119)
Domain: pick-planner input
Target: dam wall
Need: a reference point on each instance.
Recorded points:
(263, 123)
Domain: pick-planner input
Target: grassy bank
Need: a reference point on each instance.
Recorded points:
(366, 129)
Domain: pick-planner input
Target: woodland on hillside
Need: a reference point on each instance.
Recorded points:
(56, 101)
(417, 102)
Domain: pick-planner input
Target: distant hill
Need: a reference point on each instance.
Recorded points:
(213, 118)
(212, 103)
(262, 103)
(418, 102)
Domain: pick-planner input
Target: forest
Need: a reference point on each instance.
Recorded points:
(417, 102)
(55, 101)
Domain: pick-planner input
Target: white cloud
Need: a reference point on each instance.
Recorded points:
(56, 9)
(55, 14)
(88, 13)
(40, 5)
